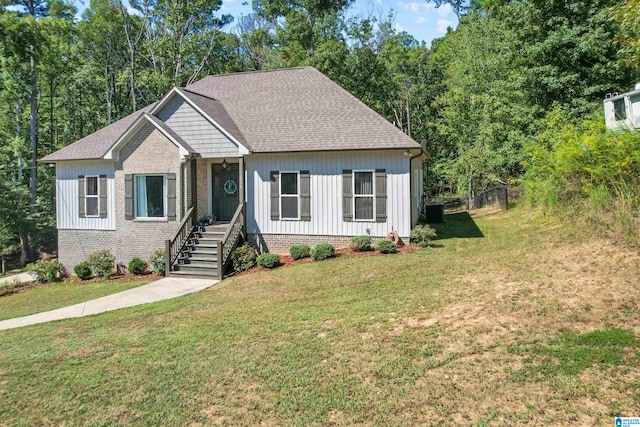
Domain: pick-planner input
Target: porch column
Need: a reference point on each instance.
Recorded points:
(194, 186)
(241, 194)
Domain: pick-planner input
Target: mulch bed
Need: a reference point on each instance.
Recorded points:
(287, 261)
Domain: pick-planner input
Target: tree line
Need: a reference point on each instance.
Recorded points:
(474, 98)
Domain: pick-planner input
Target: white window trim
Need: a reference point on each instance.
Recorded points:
(135, 198)
(93, 196)
(372, 195)
(282, 217)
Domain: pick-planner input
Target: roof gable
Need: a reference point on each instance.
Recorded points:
(144, 118)
(210, 109)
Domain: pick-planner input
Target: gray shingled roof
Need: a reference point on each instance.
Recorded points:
(95, 145)
(297, 109)
(214, 109)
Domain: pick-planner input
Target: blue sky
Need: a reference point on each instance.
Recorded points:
(421, 19)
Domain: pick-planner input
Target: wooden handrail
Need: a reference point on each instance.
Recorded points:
(239, 210)
(230, 239)
(174, 246)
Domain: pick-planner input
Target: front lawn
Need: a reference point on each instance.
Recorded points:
(56, 295)
(508, 320)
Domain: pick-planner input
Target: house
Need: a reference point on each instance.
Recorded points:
(276, 157)
(622, 111)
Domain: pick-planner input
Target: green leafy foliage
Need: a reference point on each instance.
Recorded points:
(9, 287)
(83, 270)
(386, 247)
(299, 251)
(46, 270)
(422, 235)
(361, 243)
(102, 263)
(138, 267)
(587, 169)
(322, 251)
(157, 261)
(243, 257)
(268, 260)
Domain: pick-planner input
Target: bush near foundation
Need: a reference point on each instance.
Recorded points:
(102, 263)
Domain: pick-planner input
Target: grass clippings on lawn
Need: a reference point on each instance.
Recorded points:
(515, 320)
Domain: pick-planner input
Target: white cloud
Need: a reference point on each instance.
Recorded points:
(399, 28)
(412, 6)
(442, 25)
(443, 11)
(421, 20)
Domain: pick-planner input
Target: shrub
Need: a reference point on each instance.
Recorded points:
(243, 257)
(322, 251)
(156, 261)
(268, 260)
(138, 267)
(299, 251)
(386, 247)
(9, 287)
(421, 235)
(45, 270)
(361, 243)
(102, 263)
(83, 270)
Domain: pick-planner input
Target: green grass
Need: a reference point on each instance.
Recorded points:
(431, 338)
(571, 353)
(57, 295)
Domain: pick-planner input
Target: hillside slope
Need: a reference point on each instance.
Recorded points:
(511, 320)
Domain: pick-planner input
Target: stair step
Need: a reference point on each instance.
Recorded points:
(214, 233)
(200, 256)
(199, 273)
(204, 250)
(201, 264)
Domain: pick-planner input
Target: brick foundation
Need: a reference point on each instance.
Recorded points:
(281, 243)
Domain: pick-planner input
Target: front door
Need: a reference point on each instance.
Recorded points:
(225, 190)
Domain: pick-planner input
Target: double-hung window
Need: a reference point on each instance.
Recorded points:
(150, 196)
(92, 196)
(290, 195)
(363, 195)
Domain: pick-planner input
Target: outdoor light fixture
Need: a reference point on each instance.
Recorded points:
(224, 163)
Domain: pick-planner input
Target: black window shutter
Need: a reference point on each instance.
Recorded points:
(103, 196)
(305, 196)
(347, 195)
(274, 176)
(81, 192)
(128, 196)
(171, 196)
(381, 195)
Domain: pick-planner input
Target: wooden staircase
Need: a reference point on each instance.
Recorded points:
(199, 256)
(203, 251)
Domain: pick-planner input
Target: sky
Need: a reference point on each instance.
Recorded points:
(420, 19)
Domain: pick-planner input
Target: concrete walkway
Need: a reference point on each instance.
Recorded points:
(167, 288)
(22, 277)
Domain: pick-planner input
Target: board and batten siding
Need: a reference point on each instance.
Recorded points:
(196, 130)
(325, 170)
(67, 214)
